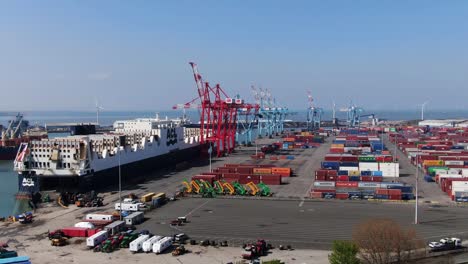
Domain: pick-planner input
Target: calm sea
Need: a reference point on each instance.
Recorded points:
(8, 178)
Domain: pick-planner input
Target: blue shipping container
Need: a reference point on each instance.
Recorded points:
(334, 165)
(377, 173)
(366, 173)
(290, 157)
(381, 196)
(354, 178)
(342, 173)
(407, 196)
(428, 178)
(349, 164)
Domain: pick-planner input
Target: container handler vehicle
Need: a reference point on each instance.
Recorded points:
(254, 190)
(180, 250)
(230, 189)
(240, 190)
(252, 251)
(218, 187)
(264, 189)
(58, 241)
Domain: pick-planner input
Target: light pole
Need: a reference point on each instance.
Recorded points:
(120, 189)
(416, 191)
(210, 150)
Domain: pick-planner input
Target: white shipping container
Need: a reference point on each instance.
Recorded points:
(96, 239)
(440, 171)
(100, 217)
(459, 184)
(369, 185)
(137, 244)
(349, 168)
(454, 162)
(442, 176)
(85, 225)
(453, 171)
(368, 166)
(162, 245)
(148, 244)
(366, 149)
(411, 149)
(464, 172)
(374, 139)
(324, 183)
(134, 218)
(115, 227)
(133, 207)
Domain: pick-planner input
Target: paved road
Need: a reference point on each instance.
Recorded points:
(308, 224)
(428, 191)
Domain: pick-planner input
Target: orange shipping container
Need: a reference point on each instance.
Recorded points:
(281, 171)
(262, 171)
(433, 163)
(337, 145)
(289, 139)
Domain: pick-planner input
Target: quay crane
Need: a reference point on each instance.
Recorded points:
(314, 114)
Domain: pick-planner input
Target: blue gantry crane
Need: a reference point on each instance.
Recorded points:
(247, 118)
(271, 117)
(314, 114)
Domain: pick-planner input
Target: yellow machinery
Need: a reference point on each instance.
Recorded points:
(230, 188)
(253, 188)
(188, 187)
(195, 186)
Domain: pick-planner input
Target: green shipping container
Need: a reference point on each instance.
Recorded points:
(366, 158)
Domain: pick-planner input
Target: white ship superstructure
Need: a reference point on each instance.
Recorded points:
(142, 141)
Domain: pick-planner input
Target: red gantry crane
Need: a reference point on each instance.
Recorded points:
(218, 115)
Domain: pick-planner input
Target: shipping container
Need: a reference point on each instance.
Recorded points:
(148, 244)
(147, 197)
(161, 245)
(115, 227)
(134, 218)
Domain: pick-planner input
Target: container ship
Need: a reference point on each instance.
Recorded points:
(14, 134)
(91, 161)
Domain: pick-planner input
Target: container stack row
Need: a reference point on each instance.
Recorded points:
(441, 154)
(359, 167)
(245, 173)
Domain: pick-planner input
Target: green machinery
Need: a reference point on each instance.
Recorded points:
(264, 189)
(240, 190)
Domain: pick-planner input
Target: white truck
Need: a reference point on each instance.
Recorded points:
(162, 245)
(148, 244)
(445, 244)
(96, 239)
(137, 244)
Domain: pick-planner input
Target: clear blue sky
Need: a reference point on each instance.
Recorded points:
(133, 55)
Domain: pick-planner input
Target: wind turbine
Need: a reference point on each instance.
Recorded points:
(422, 110)
(98, 109)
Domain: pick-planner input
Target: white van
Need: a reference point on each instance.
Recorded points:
(148, 244)
(96, 239)
(162, 245)
(137, 244)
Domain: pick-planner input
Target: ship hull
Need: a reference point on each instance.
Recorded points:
(104, 179)
(8, 153)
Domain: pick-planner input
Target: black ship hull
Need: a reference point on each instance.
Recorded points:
(107, 178)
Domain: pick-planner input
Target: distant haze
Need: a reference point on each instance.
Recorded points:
(133, 55)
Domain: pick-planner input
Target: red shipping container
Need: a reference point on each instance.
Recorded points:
(321, 173)
(332, 173)
(394, 192)
(75, 231)
(332, 158)
(207, 178)
(346, 184)
(231, 165)
(342, 196)
(336, 150)
(315, 195)
(330, 178)
(320, 178)
(343, 178)
(93, 231)
(350, 158)
(366, 178)
(245, 170)
(394, 197)
(381, 191)
(377, 179)
(231, 175)
(324, 190)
